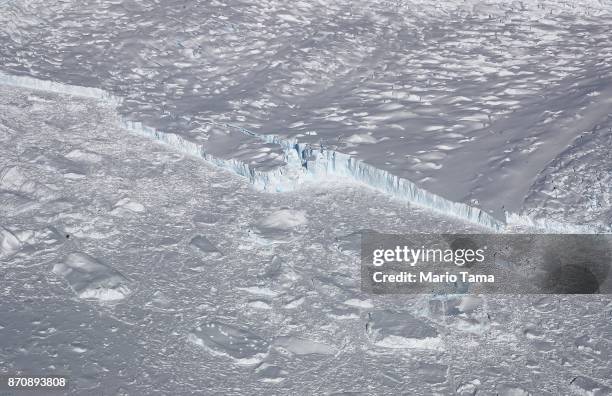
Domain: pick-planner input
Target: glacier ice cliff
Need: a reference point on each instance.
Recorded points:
(303, 163)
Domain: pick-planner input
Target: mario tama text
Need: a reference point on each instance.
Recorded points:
(485, 263)
(431, 277)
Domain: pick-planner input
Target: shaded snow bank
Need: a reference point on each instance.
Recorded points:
(303, 163)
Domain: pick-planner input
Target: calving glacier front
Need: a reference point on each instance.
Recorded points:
(303, 162)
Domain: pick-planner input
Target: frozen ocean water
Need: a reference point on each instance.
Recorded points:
(143, 268)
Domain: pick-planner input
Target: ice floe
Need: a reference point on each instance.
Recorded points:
(300, 346)
(237, 343)
(398, 330)
(91, 279)
(9, 243)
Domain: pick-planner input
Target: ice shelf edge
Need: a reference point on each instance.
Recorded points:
(305, 163)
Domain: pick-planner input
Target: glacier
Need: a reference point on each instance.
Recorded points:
(304, 163)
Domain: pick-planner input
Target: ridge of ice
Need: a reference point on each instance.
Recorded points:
(304, 162)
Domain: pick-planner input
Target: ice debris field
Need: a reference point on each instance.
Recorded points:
(139, 268)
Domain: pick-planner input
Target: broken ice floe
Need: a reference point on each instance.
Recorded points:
(390, 329)
(350, 244)
(511, 390)
(278, 227)
(91, 279)
(202, 245)
(464, 313)
(270, 373)
(584, 386)
(127, 205)
(204, 219)
(83, 156)
(468, 388)
(284, 219)
(300, 346)
(9, 243)
(357, 303)
(222, 339)
(12, 179)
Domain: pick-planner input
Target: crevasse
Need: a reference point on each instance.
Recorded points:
(303, 163)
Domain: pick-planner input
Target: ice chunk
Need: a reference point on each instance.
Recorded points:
(301, 346)
(89, 278)
(464, 313)
(259, 304)
(12, 179)
(391, 329)
(200, 244)
(270, 373)
(511, 390)
(83, 156)
(9, 244)
(227, 340)
(584, 386)
(363, 304)
(127, 205)
(350, 244)
(283, 219)
(468, 388)
(361, 138)
(205, 219)
(279, 226)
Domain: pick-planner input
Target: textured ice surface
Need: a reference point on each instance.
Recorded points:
(469, 100)
(89, 278)
(408, 88)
